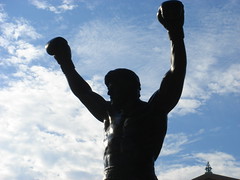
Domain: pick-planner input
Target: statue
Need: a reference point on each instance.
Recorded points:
(208, 168)
(134, 129)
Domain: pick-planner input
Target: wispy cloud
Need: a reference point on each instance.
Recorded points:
(15, 39)
(3, 14)
(101, 45)
(18, 28)
(174, 143)
(227, 81)
(65, 5)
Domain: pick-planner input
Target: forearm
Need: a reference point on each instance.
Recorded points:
(80, 88)
(172, 84)
(178, 57)
(77, 84)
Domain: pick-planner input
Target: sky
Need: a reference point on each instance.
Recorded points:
(46, 133)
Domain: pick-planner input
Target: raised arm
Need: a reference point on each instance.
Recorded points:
(62, 53)
(171, 16)
(172, 84)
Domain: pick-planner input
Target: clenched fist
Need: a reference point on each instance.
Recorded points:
(59, 48)
(171, 16)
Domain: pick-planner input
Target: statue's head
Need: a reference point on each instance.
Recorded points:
(123, 86)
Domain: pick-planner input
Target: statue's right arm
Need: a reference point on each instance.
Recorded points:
(59, 48)
(95, 103)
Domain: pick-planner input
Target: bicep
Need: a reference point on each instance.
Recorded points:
(169, 93)
(93, 101)
(96, 104)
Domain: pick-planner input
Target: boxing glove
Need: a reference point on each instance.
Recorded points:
(59, 48)
(171, 16)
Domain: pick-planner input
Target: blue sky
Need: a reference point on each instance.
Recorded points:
(46, 133)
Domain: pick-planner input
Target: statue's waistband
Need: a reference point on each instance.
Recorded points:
(128, 160)
(129, 173)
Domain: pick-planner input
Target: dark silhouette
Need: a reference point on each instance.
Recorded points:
(134, 129)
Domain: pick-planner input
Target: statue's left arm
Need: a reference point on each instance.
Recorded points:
(171, 15)
(172, 84)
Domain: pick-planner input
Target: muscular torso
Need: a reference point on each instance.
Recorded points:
(133, 142)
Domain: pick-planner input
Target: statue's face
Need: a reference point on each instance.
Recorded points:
(121, 93)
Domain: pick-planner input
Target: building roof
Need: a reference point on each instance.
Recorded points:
(211, 176)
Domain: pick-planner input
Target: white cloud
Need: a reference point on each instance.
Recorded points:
(46, 132)
(181, 172)
(174, 143)
(105, 44)
(186, 106)
(15, 38)
(22, 52)
(18, 28)
(65, 5)
(3, 14)
(222, 164)
(226, 82)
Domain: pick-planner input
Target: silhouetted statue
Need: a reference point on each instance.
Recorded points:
(134, 129)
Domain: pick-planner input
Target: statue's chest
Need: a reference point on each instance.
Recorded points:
(114, 125)
(121, 131)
